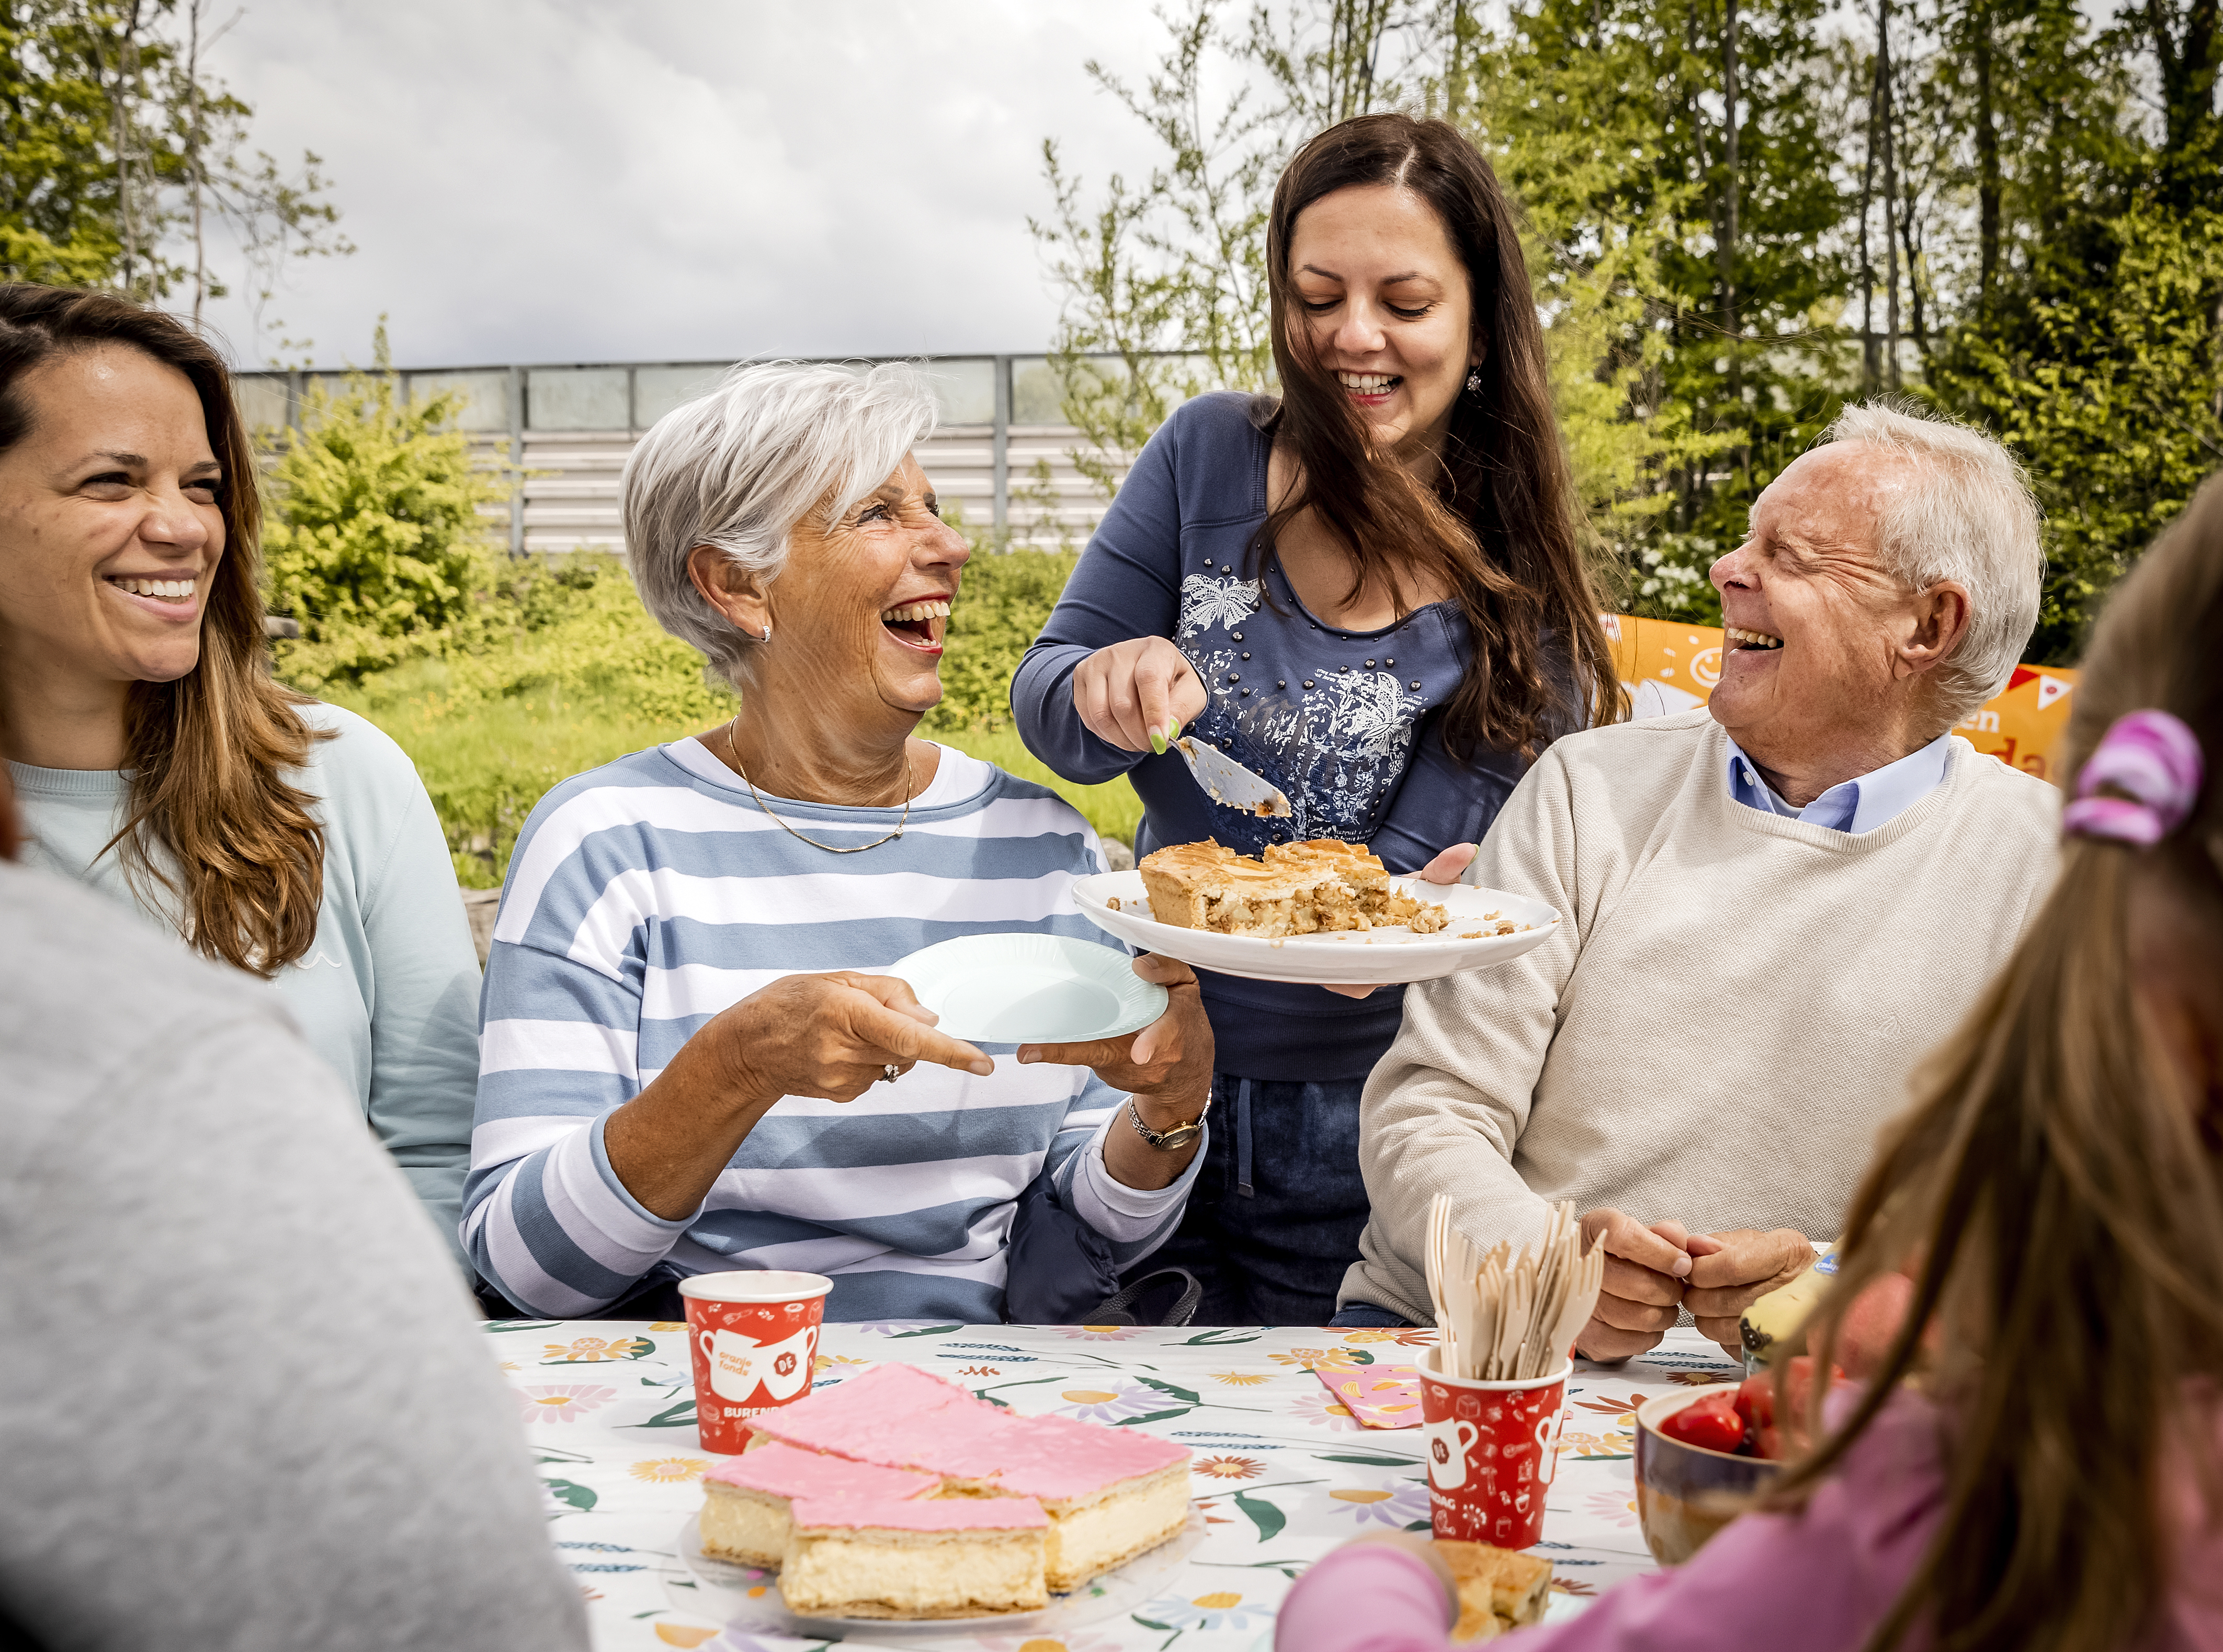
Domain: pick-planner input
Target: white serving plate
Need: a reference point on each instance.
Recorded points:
(1030, 989)
(1345, 958)
(749, 1600)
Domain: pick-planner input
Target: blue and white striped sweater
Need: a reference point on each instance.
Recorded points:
(645, 897)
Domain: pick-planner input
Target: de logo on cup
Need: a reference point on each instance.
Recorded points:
(1491, 1447)
(753, 1334)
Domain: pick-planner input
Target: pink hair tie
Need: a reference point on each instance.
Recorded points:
(2156, 758)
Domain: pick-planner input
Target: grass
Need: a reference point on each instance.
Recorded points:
(486, 762)
(1112, 808)
(558, 669)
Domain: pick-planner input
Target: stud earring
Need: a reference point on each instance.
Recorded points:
(1473, 381)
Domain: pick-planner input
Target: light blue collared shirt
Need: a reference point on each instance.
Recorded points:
(1857, 806)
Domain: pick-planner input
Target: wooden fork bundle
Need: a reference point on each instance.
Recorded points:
(1504, 1318)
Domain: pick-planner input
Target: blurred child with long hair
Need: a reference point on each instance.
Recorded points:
(2033, 1463)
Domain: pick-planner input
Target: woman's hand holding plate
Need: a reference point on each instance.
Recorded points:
(1446, 868)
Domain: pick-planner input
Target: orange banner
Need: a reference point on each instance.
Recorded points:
(1671, 667)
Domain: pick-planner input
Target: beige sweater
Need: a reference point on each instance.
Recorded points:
(1731, 1008)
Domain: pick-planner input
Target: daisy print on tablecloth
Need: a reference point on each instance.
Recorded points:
(1323, 1410)
(591, 1350)
(1590, 1448)
(1111, 1402)
(1393, 1503)
(1087, 1640)
(1220, 1609)
(1102, 1332)
(1610, 1405)
(561, 1403)
(1619, 1508)
(1412, 1336)
(670, 1470)
(1317, 1358)
(1228, 1468)
(1239, 1378)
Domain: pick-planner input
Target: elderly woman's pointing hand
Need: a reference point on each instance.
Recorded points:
(829, 1036)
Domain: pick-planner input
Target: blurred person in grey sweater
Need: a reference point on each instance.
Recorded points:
(243, 1401)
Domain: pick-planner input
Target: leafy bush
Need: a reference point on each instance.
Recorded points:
(556, 669)
(375, 543)
(1003, 604)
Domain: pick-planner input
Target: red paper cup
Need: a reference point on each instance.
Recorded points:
(754, 1336)
(1491, 1449)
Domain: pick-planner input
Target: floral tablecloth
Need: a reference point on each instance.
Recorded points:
(1282, 1470)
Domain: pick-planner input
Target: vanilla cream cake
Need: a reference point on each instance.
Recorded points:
(1316, 886)
(1109, 1494)
(914, 1557)
(747, 1499)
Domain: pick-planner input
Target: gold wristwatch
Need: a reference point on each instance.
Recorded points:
(1169, 1141)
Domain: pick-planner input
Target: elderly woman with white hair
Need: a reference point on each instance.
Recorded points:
(1770, 908)
(684, 1037)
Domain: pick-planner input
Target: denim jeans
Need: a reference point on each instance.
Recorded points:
(1274, 1219)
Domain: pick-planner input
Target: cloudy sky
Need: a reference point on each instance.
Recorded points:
(563, 181)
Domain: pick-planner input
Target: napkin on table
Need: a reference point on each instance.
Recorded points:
(1380, 1397)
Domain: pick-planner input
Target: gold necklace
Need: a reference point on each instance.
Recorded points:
(830, 849)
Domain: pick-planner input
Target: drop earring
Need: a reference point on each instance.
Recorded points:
(1473, 381)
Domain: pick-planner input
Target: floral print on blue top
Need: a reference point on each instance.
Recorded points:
(1344, 722)
(1290, 699)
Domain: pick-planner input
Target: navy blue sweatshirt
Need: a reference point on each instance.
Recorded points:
(1346, 723)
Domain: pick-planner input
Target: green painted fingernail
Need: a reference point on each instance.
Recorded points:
(1158, 742)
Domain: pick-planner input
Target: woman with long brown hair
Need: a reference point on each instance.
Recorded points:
(2032, 1463)
(156, 760)
(1369, 589)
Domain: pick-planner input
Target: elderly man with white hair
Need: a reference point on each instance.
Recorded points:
(1770, 908)
(686, 1021)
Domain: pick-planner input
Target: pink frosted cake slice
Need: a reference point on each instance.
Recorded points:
(747, 1499)
(907, 1557)
(861, 1417)
(1110, 1493)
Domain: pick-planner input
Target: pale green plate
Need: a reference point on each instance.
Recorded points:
(1030, 989)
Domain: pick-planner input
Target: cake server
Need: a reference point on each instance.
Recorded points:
(1228, 784)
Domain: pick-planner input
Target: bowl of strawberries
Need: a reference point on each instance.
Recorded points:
(1702, 1457)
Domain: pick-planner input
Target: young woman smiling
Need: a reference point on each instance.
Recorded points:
(159, 763)
(1371, 591)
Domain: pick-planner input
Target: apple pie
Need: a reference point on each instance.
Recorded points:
(1309, 888)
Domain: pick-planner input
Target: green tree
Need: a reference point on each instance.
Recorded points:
(2091, 337)
(1680, 380)
(59, 187)
(1693, 299)
(119, 151)
(2104, 374)
(376, 543)
(1736, 219)
(1167, 278)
